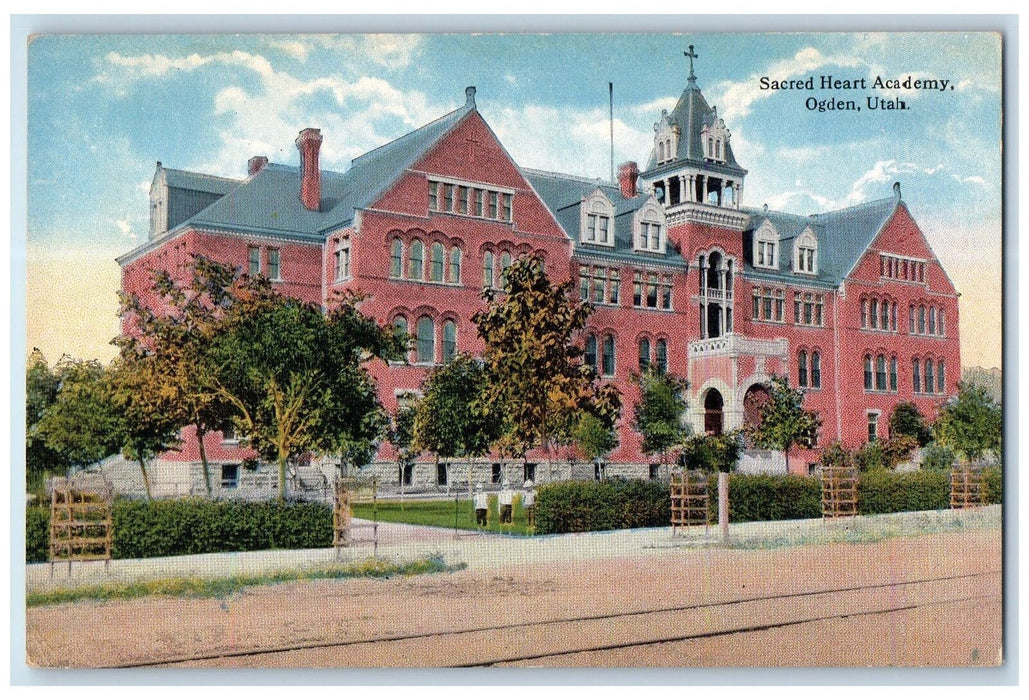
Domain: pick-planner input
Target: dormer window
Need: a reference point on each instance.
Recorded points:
(805, 253)
(597, 223)
(766, 247)
(666, 139)
(649, 230)
(715, 138)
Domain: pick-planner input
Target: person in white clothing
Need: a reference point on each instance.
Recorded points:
(481, 503)
(529, 503)
(506, 501)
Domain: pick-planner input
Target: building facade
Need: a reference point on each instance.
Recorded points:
(852, 305)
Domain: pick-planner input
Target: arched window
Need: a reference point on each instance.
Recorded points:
(426, 340)
(609, 355)
(816, 370)
(400, 328)
(873, 316)
(505, 262)
(710, 148)
(396, 258)
(880, 373)
(893, 324)
(921, 320)
(868, 372)
(802, 368)
(941, 385)
(911, 319)
(884, 321)
(660, 151)
(644, 354)
(929, 377)
(718, 149)
(939, 326)
(436, 271)
(416, 261)
(916, 376)
(864, 313)
(455, 266)
(662, 355)
(893, 373)
(449, 340)
(590, 356)
(487, 270)
(932, 320)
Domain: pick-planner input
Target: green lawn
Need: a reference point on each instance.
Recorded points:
(440, 513)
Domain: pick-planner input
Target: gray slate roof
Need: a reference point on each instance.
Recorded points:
(563, 195)
(692, 113)
(186, 180)
(843, 237)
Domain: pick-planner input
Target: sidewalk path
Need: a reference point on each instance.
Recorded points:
(401, 542)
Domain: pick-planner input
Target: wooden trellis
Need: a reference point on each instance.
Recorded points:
(839, 491)
(346, 493)
(81, 527)
(967, 487)
(689, 500)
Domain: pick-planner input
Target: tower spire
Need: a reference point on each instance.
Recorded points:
(691, 54)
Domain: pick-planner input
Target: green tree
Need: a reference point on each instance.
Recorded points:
(296, 376)
(971, 423)
(449, 420)
(906, 419)
(41, 388)
(81, 424)
(537, 382)
(659, 412)
(180, 339)
(711, 453)
(783, 420)
(594, 437)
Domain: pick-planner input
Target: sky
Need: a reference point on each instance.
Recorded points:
(102, 109)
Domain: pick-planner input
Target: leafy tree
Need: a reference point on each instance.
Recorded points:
(906, 419)
(401, 434)
(971, 423)
(295, 376)
(659, 413)
(594, 437)
(938, 458)
(81, 424)
(836, 455)
(41, 388)
(180, 339)
(784, 422)
(449, 420)
(712, 453)
(537, 382)
(898, 448)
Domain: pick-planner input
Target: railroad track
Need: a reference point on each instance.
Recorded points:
(537, 640)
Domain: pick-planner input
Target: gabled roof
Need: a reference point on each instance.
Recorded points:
(563, 195)
(843, 237)
(187, 180)
(269, 202)
(692, 113)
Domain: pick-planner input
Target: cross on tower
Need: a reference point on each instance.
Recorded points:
(691, 54)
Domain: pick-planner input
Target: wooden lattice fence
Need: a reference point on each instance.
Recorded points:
(689, 500)
(839, 491)
(967, 487)
(81, 527)
(344, 531)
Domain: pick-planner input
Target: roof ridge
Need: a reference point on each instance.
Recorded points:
(868, 204)
(200, 174)
(599, 181)
(465, 107)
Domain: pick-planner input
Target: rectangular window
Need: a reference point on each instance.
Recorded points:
(273, 264)
(652, 291)
(462, 200)
(254, 260)
(767, 306)
(433, 195)
(584, 283)
(637, 289)
(529, 472)
(343, 261)
(230, 476)
(602, 229)
(614, 288)
(506, 211)
(492, 205)
(755, 303)
(655, 472)
(780, 303)
(873, 426)
(655, 237)
(598, 285)
(666, 293)
(479, 194)
(495, 476)
(916, 376)
(441, 474)
(448, 198)
(591, 228)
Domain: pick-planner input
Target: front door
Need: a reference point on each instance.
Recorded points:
(713, 412)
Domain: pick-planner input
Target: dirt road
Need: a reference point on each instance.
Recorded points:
(932, 600)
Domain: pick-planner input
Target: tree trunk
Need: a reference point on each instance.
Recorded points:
(786, 452)
(282, 478)
(201, 432)
(146, 478)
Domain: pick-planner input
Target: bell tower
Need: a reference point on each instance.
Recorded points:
(692, 169)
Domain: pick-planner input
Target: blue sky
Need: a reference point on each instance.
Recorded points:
(103, 109)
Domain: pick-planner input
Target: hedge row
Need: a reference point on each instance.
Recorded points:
(198, 526)
(608, 505)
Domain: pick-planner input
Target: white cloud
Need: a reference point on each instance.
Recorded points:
(125, 228)
(975, 179)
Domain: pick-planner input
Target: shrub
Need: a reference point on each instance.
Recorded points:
(907, 420)
(938, 458)
(870, 457)
(889, 492)
(585, 506)
(195, 526)
(994, 479)
(836, 455)
(754, 497)
(898, 449)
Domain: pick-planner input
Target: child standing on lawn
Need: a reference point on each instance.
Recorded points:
(506, 502)
(529, 503)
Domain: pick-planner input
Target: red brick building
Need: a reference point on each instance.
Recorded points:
(852, 305)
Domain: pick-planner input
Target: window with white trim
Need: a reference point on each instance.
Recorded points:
(341, 260)
(805, 253)
(470, 199)
(766, 247)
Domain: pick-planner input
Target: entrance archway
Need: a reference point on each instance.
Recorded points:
(756, 397)
(713, 412)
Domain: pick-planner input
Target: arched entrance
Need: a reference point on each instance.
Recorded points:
(713, 412)
(756, 397)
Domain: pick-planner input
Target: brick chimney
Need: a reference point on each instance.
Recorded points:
(256, 164)
(308, 143)
(628, 173)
